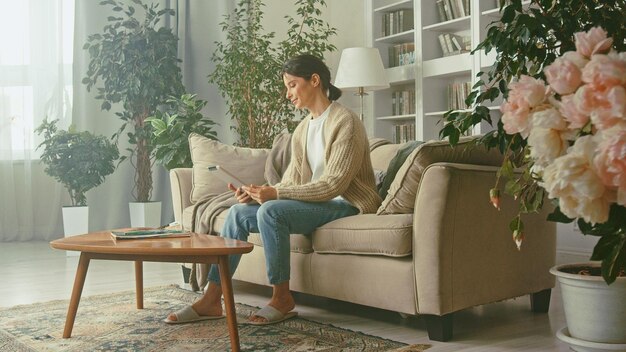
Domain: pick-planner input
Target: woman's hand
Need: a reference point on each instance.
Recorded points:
(240, 194)
(261, 194)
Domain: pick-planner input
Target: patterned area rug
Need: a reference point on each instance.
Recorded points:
(112, 323)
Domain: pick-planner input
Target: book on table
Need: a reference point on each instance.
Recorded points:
(149, 233)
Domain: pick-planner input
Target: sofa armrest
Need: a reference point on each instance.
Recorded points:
(463, 250)
(180, 182)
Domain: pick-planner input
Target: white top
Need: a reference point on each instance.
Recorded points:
(315, 145)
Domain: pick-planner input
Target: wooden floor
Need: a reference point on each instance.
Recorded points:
(33, 272)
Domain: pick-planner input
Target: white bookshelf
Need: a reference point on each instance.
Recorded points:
(433, 72)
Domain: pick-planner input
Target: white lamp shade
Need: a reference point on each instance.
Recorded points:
(361, 68)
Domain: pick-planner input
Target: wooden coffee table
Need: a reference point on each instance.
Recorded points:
(197, 248)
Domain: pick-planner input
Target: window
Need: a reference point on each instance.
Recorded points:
(36, 46)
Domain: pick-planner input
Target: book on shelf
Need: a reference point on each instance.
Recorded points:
(401, 54)
(457, 93)
(398, 21)
(452, 44)
(403, 102)
(403, 133)
(448, 10)
(148, 233)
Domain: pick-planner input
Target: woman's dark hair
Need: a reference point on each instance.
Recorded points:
(305, 66)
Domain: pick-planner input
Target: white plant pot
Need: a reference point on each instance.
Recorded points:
(75, 222)
(594, 311)
(145, 214)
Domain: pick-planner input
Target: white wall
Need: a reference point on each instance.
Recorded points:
(570, 240)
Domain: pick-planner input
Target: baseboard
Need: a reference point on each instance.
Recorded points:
(570, 255)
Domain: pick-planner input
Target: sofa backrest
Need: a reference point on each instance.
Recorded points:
(403, 190)
(382, 155)
(440, 151)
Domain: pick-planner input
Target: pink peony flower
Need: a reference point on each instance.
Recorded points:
(515, 117)
(571, 113)
(563, 75)
(610, 161)
(548, 136)
(528, 89)
(576, 58)
(584, 100)
(524, 95)
(604, 70)
(609, 107)
(572, 179)
(592, 42)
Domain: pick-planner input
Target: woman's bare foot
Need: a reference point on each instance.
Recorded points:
(282, 300)
(210, 304)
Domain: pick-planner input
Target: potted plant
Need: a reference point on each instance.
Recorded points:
(134, 63)
(254, 97)
(563, 125)
(172, 126)
(80, 161)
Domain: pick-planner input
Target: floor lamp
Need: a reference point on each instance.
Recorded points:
(360, 70)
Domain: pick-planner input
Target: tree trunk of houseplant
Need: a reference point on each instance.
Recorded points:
(143, 212)
(75, 222)
(594, 311)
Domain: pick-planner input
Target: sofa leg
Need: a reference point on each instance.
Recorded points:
(540, 301)
(439, 327)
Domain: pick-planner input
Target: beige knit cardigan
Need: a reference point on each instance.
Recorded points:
(348, 167)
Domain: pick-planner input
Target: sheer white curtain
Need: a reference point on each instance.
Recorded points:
(35, 81)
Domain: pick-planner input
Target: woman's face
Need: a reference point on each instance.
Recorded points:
(301, 92)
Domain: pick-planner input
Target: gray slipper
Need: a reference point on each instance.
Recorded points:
(188, 315)
(272, 315)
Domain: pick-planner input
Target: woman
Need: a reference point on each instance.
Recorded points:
(329, 176)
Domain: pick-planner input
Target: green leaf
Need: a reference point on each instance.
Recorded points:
(611, 251)
(558, 216)
(159, 125)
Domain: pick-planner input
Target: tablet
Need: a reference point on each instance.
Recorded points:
(226, 176)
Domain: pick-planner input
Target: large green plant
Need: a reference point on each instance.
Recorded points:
(134, 62)
(248, 64)
(172, 126)
(526, 40)
(78, 160)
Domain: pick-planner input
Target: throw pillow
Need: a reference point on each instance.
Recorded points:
(246, 163)
(278, 158)
(403, 190)
(394, 165)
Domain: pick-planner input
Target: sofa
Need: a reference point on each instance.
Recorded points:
(436, 245)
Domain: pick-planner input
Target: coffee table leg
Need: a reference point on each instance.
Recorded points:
(139, 283)
(77, 290)
(229, 302)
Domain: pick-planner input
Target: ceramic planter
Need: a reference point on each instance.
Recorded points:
(75, 222)
(594, 311)
(145, 214)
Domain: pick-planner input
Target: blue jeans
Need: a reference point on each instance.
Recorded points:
(275, 220)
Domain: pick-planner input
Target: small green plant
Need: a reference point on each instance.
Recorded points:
(248, 65)
(171, 129)
(78, 160)
(135, 63)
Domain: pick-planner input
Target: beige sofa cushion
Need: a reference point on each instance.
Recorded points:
(368, 234)
(382, 155)
(403, 190)
(246, 163)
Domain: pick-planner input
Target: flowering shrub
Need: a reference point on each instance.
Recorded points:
(575, 130)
